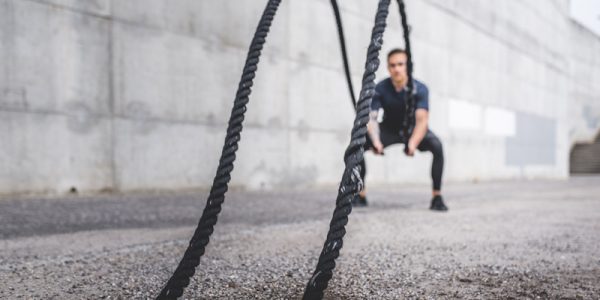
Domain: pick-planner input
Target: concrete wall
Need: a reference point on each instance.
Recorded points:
(135, 94)
(584, 94)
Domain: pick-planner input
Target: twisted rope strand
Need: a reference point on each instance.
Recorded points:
(409, 118)
(187, 266)
(340, 28)
(351, 182)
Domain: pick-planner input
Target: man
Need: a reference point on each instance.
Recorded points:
(390, 96)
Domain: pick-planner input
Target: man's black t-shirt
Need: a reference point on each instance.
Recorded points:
(393, 103)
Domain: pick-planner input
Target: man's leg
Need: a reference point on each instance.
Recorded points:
(363, 173)
(387, 138)
(433, 144)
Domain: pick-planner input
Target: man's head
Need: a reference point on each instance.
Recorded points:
(397, 65)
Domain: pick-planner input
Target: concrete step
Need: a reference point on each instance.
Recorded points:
(585, 158)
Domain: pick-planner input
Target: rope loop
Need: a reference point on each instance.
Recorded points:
(351, 182)
(197, 246)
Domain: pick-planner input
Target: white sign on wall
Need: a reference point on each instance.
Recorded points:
(464, 115)
(491, 120)
(500, 122)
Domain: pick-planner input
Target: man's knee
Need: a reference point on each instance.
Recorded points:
(436, 147)
(363, 169)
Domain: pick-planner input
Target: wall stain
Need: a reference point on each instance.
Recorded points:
(140, 114)
(81, 118)
(14, 98)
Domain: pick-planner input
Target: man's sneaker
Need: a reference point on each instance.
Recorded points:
(359, 201)
(437, 203)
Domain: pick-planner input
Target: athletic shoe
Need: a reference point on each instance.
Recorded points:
(437, 203)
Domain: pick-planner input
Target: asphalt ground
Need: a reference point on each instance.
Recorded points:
(508, 240)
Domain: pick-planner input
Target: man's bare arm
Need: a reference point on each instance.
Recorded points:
(421, 125)
(373, 130)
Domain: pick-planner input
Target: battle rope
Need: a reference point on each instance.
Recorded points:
(409, 118)
(340, 28)
(187, 266)
(351, 182)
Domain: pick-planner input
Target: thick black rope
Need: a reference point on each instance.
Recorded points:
(409, 118)
(340, 28)
(351, 182)
(187, 266)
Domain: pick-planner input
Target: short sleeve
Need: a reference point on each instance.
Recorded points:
(422, 97)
